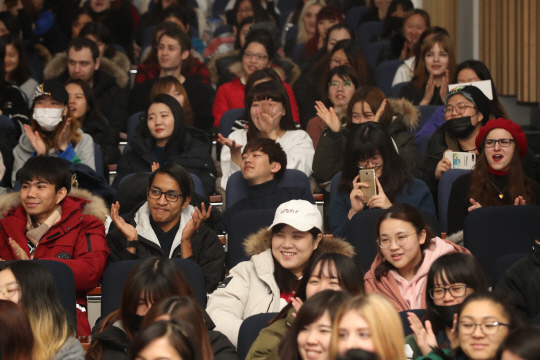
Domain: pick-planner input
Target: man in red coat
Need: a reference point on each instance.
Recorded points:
(44, 222)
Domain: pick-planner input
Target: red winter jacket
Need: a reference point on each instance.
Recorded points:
(231, 96)
(78, 239)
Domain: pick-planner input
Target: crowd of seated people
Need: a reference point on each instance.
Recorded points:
(149, 134)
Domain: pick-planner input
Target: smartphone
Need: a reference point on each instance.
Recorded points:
(461, 160)
(367, 176)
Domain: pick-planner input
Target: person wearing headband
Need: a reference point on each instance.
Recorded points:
(53, 130)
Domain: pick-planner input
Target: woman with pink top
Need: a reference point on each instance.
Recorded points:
(407, 248)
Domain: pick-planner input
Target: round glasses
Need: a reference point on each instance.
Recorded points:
(457, 290)
(488, 327)
(401, 239)
(375, 161)
(9, 289)
(460, 109)
(169, 196)
(502, 142)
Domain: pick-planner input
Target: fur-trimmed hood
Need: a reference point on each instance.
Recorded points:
(238, 70)
(213, 64)
(260, 241)
(95, 205)
(410, 114)
(58, 65)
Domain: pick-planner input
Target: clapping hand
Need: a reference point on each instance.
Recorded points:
(328, 116)
(266, 119)
(19, 252)
(155, 166)
(35, 140)
(128, 231)
(63, 139)
(424, 336)
(430, 89)
(444, 85)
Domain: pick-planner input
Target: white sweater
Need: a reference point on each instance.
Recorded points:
(296, 143)
(404, 72)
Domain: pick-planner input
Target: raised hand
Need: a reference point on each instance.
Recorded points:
(380, 200)
(357, 196)
(424, 336)
(430, 89)
(267, 120)
(63, 139)
(236, 149)
(193, 225)
(35, 140)
(520, 201)
(19, 252)
(454, 337)
(296, 304)
(444, 85)
(475, 205)
(328, 116)
(155, 166)
(379, 112)
(127, 230)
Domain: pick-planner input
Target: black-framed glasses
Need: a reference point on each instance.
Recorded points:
(502, 142)
(401, 239)
(8, 290)
(456, 290)
(488, 327)
(460, 108)
(169, 196)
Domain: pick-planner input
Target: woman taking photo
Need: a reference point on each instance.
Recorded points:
(498, 177)
(53, 130)
(432, 75)
(450, 280)
(32, 287)
(329, 271)
(269, 116)
(257, 53)
(83, 105)
(150, 281)
(407, 249)
(17, 68)
(163, 137)
(310, 332)
(367, 104)
(484, 321)
(270, 279)
(370, 323)
(370, 146)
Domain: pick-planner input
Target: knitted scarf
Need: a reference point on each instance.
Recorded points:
(34, 234)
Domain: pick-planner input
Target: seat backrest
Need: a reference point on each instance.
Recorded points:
(445, 187)
(385, 75)
(197, 185)
(396, 89)
(354, 14)
(249, 330)
(117, 273)
(65, 284)
(421, 313)
(6, 121)
(237, 187)
(421, 144)
(222, 29)
(425, 113)
(227, 120)
(243, 224)
(502, 264)
(372, 50)
(488, 238)
(297, 48)
(365, 32)
(133, 121)
(362, 234)
(98, 159)
(291, 33)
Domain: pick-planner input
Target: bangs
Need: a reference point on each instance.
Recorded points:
(327, 264)
(265, 91)
(365, 150)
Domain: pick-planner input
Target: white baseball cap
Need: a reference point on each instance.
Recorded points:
(300, 214)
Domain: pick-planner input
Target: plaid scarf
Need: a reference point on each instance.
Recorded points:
(34, 234)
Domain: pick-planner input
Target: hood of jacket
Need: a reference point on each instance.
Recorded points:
(88, 202)
(406, 115)
(122, 61)
(238, 70)
(144, 228)
(213, 64)
(58, 66)
(260, 241)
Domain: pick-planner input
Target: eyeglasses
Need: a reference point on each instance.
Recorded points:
(488, 328)
(375, 161)
(169, 196)
(345, 83)
(502, 142)
(457, 290)
(401, 239)
(460, 109)
(9, 289)
(260, 57)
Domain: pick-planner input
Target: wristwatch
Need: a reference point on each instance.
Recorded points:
(128, 243)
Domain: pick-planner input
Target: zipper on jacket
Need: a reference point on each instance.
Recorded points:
(88, 243)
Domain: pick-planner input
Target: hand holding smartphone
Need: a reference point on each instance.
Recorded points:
(367, 176)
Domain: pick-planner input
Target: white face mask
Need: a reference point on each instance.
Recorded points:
(48, 119)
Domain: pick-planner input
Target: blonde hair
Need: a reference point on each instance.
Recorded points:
(49, 333)
(51, 140)
(302, 32)
(383, 321)
(421, 74)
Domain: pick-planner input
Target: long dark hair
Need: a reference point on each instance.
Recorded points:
(176, 142)
(16, 338)
(457, 268)
(344, 73)
(154, 278)
(181, 336)
(92, 111)
(366, 141)
(258, 11)
(268, 90)
(183, 308)
(263, 37)
(522, 342)
(481, 70)
(22, 72)
(407, 213)
(102, 34)
(483, 191)
(311, 311)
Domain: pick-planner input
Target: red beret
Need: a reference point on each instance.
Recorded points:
(509, 126)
